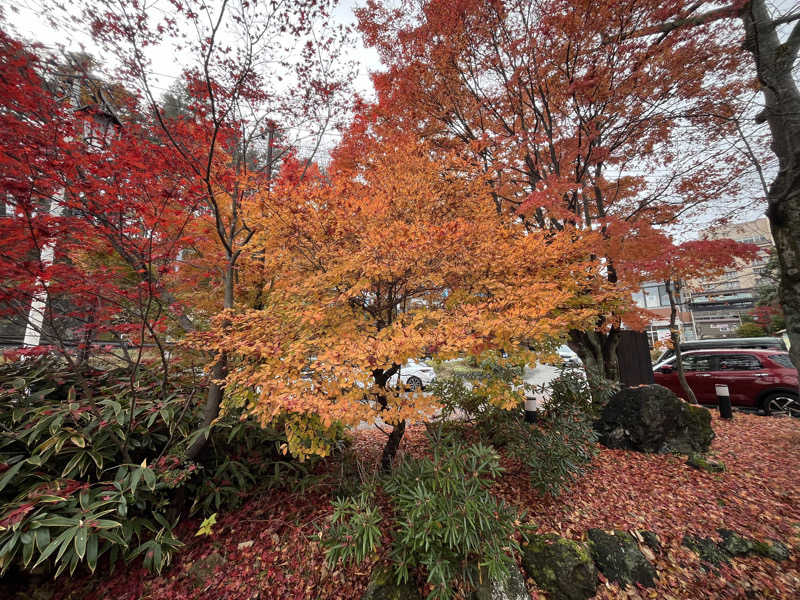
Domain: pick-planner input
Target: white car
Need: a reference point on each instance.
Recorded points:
(414, 374)
(569, 356)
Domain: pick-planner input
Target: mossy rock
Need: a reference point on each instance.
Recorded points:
(618, 556)
(203, 569)
(651, 540)
(771, 549)
(735, 544)
(383, 586)
(707, 549)
(698, 461)
(651, 418)
(511, 588)
(561, 567)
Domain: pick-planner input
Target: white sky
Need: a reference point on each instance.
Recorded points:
(26, 19)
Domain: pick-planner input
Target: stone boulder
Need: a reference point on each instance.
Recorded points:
(651, 540)
(707, 549)
(771, 549)
(651, 418)
(702, 463)
(382, 586)
(735, 544)
(512, 588)
(561, 567)
(202, 569)
(618, 557)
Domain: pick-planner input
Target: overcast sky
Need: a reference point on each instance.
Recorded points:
(25, 18)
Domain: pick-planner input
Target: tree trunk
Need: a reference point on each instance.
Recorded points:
(381, 377)
(674, 289)
(211, 408)
(392, 444)
(218, 372)
(774, 64)
(598, 351)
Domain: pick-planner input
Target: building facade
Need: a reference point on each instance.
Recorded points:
(719, 305)
(653, 297)
(712, 308)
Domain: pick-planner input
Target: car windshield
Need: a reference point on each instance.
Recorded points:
(782, 360)
(670, 362)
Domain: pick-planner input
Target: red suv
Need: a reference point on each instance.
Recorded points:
(762, 379)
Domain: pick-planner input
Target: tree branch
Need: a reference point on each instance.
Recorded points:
(792, 44)
(725, 12)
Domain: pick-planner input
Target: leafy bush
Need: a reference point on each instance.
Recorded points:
(498, 386)
(241, 455)
(66, 493)
(446, 519)
(91, 464)
(556, 449)
(750, 329)
(355, 531)
(572, 389)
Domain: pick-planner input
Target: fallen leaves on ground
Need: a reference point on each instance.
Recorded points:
(269, 548)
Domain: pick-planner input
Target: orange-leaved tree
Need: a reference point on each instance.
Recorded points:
(393, 256)
(571, 131)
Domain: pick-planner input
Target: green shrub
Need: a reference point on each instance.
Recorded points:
(92, 467)
(240, 456)
(446, 519)
(505, 368)
(750, 329)
(573, 390)
(66, 494)
(355, 531)
(556, 450)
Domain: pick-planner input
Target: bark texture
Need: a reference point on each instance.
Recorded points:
(598, 351)
(774, 62)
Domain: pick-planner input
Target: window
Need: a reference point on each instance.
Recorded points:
(651, 297)
(663, 296)
(782, 360)
(698, 362)
(638, 298)
(738, 362)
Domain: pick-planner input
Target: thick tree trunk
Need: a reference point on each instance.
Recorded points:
(673, 290)
(774, 63)
(598, 351)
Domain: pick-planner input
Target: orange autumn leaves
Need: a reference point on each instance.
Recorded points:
(397, 255)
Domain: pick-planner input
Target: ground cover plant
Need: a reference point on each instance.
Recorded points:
(270, 548)
(448, 522)
(92, 467)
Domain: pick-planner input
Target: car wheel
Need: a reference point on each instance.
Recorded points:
(782, 402)
(414, 383)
